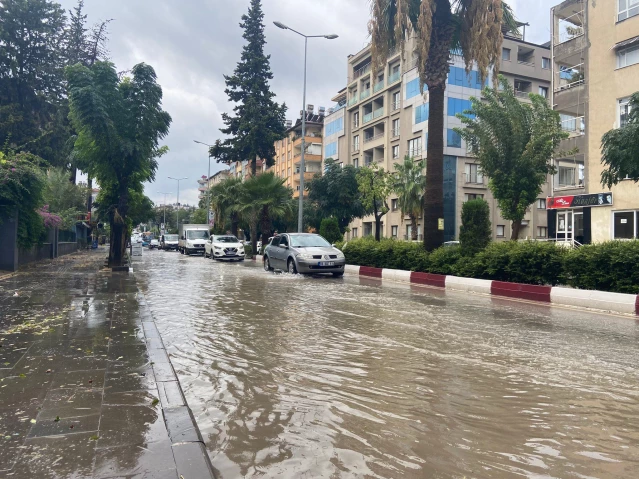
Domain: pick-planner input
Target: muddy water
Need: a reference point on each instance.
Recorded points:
(293, 377)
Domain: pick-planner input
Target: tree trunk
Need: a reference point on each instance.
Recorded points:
(378, 227)
(234, 224)
(119, 228)
(89, 201)
(73, 178)
(516, 226)
(254, 166)
(253, 228)
(413, 227)
(265, 223)
(434, 195)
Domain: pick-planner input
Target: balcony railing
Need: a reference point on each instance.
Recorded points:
(574, 125)
(368, 160)
(394, 77)
(378, 86)
(365, 94)
(379, 112)
(395, 133)
(368, 117)
(373, 137)
(355, 147)
(361, 71)
(414, 152)
(524, 62)
(521, 94)
(352, 101)
(474, 179)
(396, 105)
(410, 237)
(409, 65)
(355, 123)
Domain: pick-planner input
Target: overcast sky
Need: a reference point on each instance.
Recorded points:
(192, 43)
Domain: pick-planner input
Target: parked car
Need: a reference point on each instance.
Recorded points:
(224, 247)
(154, 244)
(303, 253)
(169, 242)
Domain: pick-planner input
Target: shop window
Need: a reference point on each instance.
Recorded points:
(625, 224)
(501, 231)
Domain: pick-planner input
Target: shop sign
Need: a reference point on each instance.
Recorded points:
(579, 201)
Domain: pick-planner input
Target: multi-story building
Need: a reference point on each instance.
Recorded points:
(386, 117)
(595, 61)
(288, 152)
(204, 185)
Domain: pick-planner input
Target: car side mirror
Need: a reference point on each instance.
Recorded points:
(333, 245)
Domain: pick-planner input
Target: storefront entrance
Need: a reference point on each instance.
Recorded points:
(570, 226)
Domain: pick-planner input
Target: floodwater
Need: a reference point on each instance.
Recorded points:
(298, 377)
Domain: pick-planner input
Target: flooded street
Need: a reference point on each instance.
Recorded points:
(296, 377)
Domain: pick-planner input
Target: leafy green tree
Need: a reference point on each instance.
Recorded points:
(64, 198)
(409, 184)
(336, 193)
(119, 125)
(514, 143)
(224, 196)
(330, 230)
(375, 185)
(258, 121)
(263, 198)
(475, 231)
(199, 217)
(472, 27)
(31, 77)
(620, 149)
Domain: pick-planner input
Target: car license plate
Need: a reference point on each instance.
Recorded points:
(327, 263)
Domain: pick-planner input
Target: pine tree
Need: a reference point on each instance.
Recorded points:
(76, 36)
(258, 121)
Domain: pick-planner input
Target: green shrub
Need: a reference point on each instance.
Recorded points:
(248, 249)
(329, 229)
(387, 253)
(444, 260)
(475, 232)
(611, 266)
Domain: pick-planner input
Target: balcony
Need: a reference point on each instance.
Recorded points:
(361, 71)
(408, 66)
(307, 157)
(394, 77)
(365, 94)
(574, 126)
(395, 133)
(368, 117)
(379, 86)
(378, 113)
(473, 179)
(353, 100)
(374, 137)
(355, 148)
(307, 176)
(396, 105)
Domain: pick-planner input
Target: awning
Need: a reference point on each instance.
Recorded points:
(626, 43)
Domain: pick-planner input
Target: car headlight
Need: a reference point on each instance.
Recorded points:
(305, 256)
(340, 255)
(217, 247)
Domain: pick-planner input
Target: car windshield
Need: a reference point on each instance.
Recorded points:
(170, 237)
(226, 239)
(310, 241)
(197, 234)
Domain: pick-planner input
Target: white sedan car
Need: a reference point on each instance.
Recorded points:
(224, 247)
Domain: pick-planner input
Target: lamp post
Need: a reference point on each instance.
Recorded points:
(300, 215)
(163, 193)
(177, 211)
(208, 189)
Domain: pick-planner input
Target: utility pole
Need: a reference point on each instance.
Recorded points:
(162, 193)
(177, 213)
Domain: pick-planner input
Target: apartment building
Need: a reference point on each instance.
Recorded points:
(595, 63)
(288, 152)
(382, 117)
(204, 184)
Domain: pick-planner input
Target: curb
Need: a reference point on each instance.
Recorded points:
(189, 450)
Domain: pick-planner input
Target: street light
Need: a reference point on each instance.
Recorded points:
(300, 216)
(163, 193)
(177, 211)
(208, 189)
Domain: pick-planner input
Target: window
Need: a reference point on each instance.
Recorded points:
(566, 175)
(356, 119)
(421, 113)
(542, 231)
(412, 88)
(545, 63)
(453, 139)
(394, 204)
(627, 56)
(457, 105)
(627, 9)
(473, 196)
(505, 54)
(334, 126)
(396, 101)
(297, 187)
(624, 111)
(394, 231)
(289, 155)
(541, 203)
(356, 143)
(457, 76)
(474, 174)
(356, 162)
(330, 150)
(625, 224)
(543, 91)
(501, 231)
(354, 232)
(395, 151)
(368, 229)
(276, 241)
(415, 147)
(289, 172)
(395, 127)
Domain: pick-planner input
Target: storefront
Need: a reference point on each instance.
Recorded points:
(569, 217)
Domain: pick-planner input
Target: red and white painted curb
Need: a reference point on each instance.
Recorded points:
(588, 299)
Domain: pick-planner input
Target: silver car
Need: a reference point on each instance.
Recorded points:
(303, 253)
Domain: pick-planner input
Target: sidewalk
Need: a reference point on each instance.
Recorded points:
(86, 387)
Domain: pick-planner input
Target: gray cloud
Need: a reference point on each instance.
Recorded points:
(193, 43)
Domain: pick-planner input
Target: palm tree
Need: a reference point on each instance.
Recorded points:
(409, 184)
(224, 196)
(472, 27)
(262, 199)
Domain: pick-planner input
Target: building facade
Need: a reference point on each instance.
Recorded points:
(288, 152)
(595, 59)
(204, 185)
(384, 117)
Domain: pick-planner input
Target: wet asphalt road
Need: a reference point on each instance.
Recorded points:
(295, 377)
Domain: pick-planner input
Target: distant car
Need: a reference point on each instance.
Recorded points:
(303, 253)
(154, 244)
(169, 242)
(224, 247)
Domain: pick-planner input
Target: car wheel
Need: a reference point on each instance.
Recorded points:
(338, 275)
(267, 264)
(187, 252)
(181, 251)
(292, 269)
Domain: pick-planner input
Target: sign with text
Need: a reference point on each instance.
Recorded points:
(579, 201)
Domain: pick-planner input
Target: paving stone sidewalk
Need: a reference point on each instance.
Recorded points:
(86, 387)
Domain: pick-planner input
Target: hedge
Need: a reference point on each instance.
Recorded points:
(612, 266)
